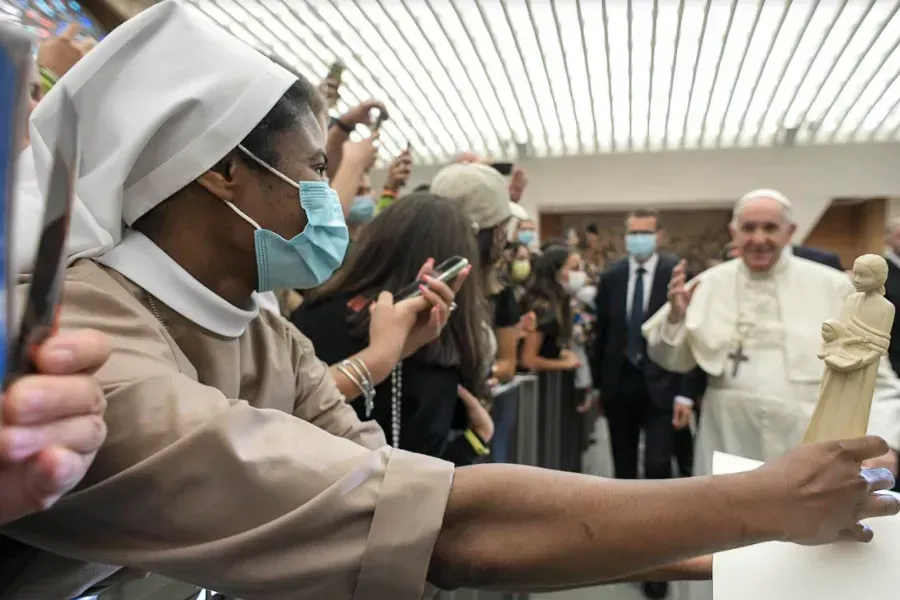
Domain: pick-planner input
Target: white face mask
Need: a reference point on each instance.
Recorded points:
(576, 281)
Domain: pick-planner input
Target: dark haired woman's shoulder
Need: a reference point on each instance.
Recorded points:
(324, 322)
(506, 308)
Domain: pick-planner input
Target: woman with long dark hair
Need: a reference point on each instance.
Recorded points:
(422, 406)
(556, 274)
(557, 277)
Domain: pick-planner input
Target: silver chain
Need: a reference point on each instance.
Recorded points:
(155, 310)
(396, 403)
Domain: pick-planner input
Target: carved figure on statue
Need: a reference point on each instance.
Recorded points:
(853, 346)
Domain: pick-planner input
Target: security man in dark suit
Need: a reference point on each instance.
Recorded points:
(637, 394)
(823, 257)
(892, 287)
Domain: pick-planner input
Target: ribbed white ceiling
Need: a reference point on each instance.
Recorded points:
(571, 77)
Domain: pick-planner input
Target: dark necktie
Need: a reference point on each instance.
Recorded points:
(634, 348)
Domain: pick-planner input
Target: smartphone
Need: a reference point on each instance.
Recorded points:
(505, 168)
(445, 272)
(336, 71)
(379, 120)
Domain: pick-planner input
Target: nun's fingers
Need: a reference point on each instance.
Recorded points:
(53, 473)
(878, 479)
(84, 435)
(857, 533)
(73, 351)
(42, 399)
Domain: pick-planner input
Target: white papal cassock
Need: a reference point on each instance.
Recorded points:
(761, 408)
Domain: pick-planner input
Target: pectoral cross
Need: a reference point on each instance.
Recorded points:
(737, 357)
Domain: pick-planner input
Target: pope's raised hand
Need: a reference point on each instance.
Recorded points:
(679, 293)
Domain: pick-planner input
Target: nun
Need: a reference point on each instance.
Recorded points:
(232, 460)
(201, 185)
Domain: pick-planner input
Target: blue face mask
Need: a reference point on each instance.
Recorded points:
(309, 258)
(361, 211)
(640, 245)
(526, 237)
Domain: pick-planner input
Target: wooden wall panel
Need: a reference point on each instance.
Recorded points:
(850, 229)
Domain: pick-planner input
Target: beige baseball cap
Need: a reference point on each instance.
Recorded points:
(481, 190)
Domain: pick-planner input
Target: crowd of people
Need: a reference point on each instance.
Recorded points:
(264, 385)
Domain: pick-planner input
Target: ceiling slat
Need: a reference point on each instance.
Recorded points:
(740, 71)
(496, 75)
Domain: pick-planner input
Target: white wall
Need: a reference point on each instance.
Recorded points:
(810, 176)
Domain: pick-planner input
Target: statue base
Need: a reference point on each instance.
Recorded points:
(781, 571)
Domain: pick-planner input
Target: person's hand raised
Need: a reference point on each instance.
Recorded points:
(818, 493)
(399, 171)
(680, 293)
(361, 154)
(517, 185)
(58, 54)
(361, 114)
(52, 424)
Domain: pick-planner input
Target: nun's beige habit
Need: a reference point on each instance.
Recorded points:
(232, 460)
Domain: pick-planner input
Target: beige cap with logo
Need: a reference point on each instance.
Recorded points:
(481, 190)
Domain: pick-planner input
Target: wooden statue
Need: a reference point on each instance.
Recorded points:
(853, 347)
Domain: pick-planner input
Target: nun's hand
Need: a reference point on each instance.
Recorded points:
(440, 306)
(52, 424)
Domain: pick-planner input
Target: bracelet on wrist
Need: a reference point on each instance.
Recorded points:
(47, 78)
(476, 443)
(340, 124)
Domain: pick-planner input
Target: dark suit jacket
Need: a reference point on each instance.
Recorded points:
(823, 257)
(611, 333)
(892, 293)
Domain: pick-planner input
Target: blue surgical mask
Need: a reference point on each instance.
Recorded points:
(526, 237)
(309, 258)
(640, 245)
(361, 211)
